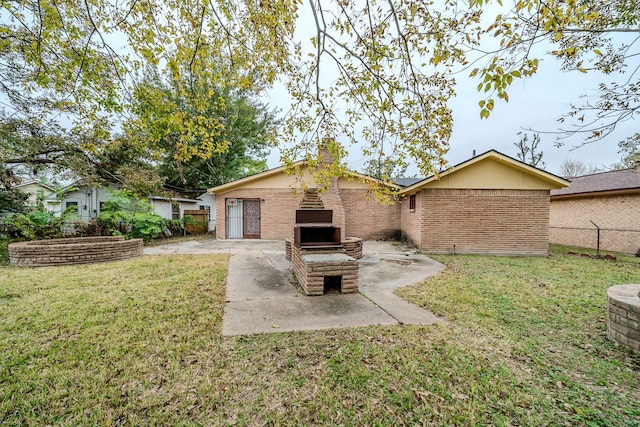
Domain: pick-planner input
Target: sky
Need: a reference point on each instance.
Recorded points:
(535, 105)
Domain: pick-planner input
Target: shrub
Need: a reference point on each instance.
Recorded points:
(35, 225)
(195, 226)
(174, 227)
(4, 252)
(125, 215)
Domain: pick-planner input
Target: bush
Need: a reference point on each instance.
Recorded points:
(195, 226)
(35, 225)
(4, 251)
(174, 227)
(121, 215)
(124, 215)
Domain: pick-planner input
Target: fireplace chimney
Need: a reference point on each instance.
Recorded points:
(324, 151)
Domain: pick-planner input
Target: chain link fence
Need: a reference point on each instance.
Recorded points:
(600, 239)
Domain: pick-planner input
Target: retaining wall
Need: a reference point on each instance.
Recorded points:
(75, 250)
(623, 315)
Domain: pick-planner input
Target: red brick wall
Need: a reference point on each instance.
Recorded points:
(617, 215)
(412, 219)
(500, 222)
(277, 211)
(355, 213)
(615, 211)
(367, 218)
(332, 199)
(504, 222)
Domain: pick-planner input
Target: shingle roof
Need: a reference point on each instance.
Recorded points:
(625, 179)
(405, 182)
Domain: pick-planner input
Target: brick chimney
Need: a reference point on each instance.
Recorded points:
(324, 153)
(331, 198)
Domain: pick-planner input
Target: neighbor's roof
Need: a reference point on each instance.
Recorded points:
(551, 179)
(406, 182)
(174, 199)
(624, 180)
(32, 181)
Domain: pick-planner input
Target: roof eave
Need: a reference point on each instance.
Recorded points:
(596, 193)
(497, 156)
(246, 180)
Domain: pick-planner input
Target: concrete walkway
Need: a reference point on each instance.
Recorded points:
(261, 296)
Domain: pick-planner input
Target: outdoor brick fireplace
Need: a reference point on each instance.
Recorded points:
(318, 257)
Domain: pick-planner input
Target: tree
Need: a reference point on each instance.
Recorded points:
(380, 73)
(528, 152)
(11, 200)
(585, 36)
(36, 146)
(573, 168)
(244, 128)
(630, 150)
(384, 168)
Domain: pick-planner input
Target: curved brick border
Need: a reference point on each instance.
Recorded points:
(75, 250)
(623, 315)
(351, 245)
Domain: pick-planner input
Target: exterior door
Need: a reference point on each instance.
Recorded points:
(251, 219)
(234, 218)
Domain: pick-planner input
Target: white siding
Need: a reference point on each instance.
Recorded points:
(209, 200)
(89, 199)
(80, 197)
(162, 208)
(189, 206)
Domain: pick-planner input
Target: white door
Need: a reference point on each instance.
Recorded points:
(234, 218)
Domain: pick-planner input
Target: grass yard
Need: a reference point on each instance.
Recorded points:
(138, 343)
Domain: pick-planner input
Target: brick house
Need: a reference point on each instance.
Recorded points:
(609, 199)
(490, 204)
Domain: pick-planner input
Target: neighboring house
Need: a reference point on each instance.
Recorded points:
(611, 200)
(84, 200)
(489, 204)
(33, 188)
(87, 201)
(174, 208)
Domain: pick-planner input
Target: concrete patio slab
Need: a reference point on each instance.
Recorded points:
(301, 313)
(262, 296)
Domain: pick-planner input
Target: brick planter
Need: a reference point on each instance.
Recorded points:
(623, 316)
(76, 250)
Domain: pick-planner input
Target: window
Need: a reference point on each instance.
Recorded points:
(412, 202)
(175, 211)
(206, 208)
(71, 206)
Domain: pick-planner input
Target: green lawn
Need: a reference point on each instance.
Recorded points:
(138, 343)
